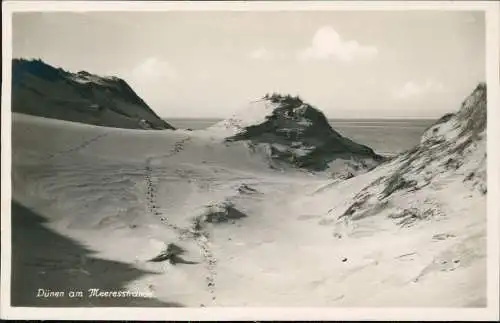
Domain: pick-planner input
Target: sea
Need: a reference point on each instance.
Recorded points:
(385, 136)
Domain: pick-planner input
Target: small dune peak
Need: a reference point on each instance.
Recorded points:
(293, 133)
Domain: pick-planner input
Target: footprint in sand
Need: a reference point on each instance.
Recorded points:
(201, 238)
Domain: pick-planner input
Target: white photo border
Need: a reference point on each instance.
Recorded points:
(491, 312)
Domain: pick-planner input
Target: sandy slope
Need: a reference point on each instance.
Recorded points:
(127, 193)
(39, 89)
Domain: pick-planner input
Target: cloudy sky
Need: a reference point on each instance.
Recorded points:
(208, 64)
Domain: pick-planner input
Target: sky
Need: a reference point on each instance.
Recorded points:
(349, 64)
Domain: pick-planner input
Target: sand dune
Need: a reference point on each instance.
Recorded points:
(42, 90)
(251, 235)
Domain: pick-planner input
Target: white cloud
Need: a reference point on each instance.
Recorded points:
(328, 44)
(153, 69)
(261, 54)
(412, 89)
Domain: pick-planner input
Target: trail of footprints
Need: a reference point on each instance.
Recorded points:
(151, 195)
(196, 232)
(76, 148)
(201, 237)
(210, 263)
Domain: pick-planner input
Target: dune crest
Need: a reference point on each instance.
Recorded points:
(293, 132)
(42, 90)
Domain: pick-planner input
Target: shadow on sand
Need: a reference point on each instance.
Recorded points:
(44, 259)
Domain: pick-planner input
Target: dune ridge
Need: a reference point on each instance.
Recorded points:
(254, 235)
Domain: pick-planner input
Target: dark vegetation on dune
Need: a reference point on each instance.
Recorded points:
(470, 121)
(44, 259)
(438, 153)
(172, 253)
(221, 212)
(42, 90)
(305, 130)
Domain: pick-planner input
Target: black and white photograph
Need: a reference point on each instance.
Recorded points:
(163, 158)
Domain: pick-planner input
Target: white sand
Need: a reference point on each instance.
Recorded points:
(92, 184)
